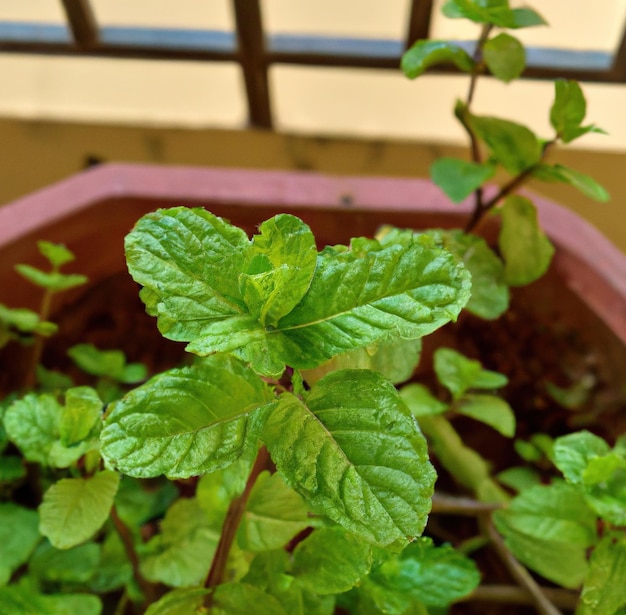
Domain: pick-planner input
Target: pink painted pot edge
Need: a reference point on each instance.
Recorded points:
(587, 262)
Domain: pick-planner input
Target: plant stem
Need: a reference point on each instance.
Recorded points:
(44, 313)
(541, 602)
(452, 505)
(231, 524)
(131, 553)
(513, 594)
(478, 59)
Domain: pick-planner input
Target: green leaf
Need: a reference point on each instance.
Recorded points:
(65, 566)
(25, 321)
(426, 53)
(491, 410)
(519, 478)
(236, 599)
(12, 468)
(19, 534)
(420, 401)
(573, 452)
(80, 415)
(355, 454)
(395, 359)
(114, 570)
(54, 281)
(179, 602)
(566, 175)
(186, 421)
(331, 561)
(526, 249)
(434, 576)
(496, 12)
(181, 554)
(57, 254)
(458, 373)
(358, 296)
(74, 509)
(527, 18)
(32, 423)
(604, 590)
(549, 528)
(490, 294)
(24, 599)
(107, 363)
(505, 57)
(569, 110)
(459, 178)
(514, 146)
(278, 268)
(274, 515)
(216, 490)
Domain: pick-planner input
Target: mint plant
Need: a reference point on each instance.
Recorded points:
(289, 466)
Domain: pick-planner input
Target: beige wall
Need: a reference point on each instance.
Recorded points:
(37, 153)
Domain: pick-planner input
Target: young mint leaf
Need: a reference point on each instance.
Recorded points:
(179, 602)
(459, 178)
(57, 254)
(25, 321)
(604, 591)
(19, 534)
(527, 18)
(25, 599)
(424, 573)
(505, 57)
(550, 528)
(526, 249)
(278, 268)
(181, 554)
(573, 452)
(395, 359)
(421, 401)
(186, 421)
(426, 53)
(490, 294)
(354, 453)
(137, 503)
(514, 146)
(331, 561)
(54, 281)
(489, 409)
(458, 373)
(236, 598)
(75, 566)
(32, 423)
(274, 515)
(519, 478)
(74, 509)
(80, 415)
(106, 363)
(566, 175)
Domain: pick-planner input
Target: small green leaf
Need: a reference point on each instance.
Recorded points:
(549, 528)
(107, 363)
(25, 599)
(114, 570)
(505, 57)
(566, 175)
(526, 249)
(19, 534)
(519, 478)
(355, 454)
(527, 18)
(236, 599)
(54, 280)
(458, 373)
(459, 178)
(25, 321)
(514, 146)
(273, 516)
(186, 421)
(181, 554)
(12, 468)
(74, 509)
(491, 410)
(179, 602)
(573, 452)
(420, 401)
(331, 561)
(81, 414)
(278, 268)
(68, 566)
(138, 502)
(604, 590)
(433, 575)
(490, 294)
(57, 254)
(496, 12)
(426, 53)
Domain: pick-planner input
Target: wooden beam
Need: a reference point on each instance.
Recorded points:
(419, 21)
(82, 23)
(253, 61)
